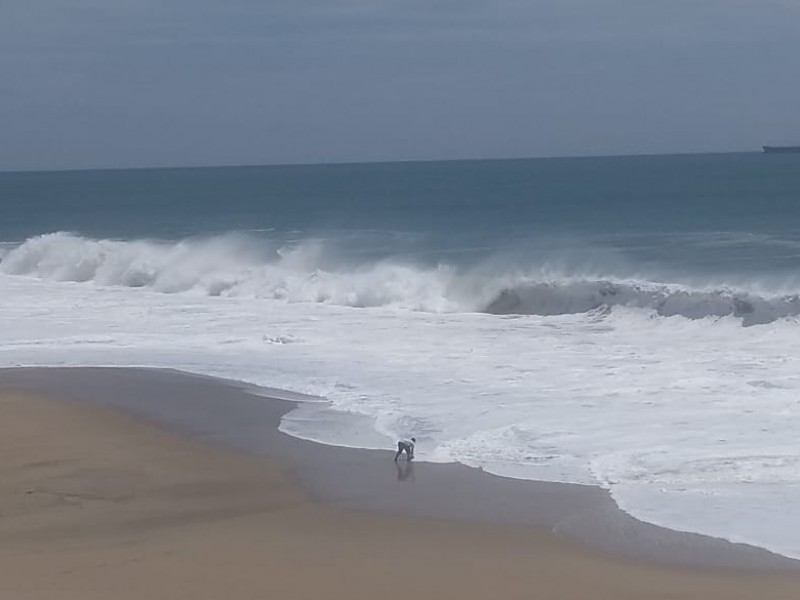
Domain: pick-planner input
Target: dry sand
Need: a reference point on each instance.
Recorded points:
(98, 504)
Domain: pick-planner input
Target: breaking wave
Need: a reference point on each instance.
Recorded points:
(538, 298)
(238, 266)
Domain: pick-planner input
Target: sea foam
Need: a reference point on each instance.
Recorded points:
(690, 423)
(311, 271)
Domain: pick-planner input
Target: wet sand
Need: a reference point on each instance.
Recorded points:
(102, 503)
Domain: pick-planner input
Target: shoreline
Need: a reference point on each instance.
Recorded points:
(228, 414)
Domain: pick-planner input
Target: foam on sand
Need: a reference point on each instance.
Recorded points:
(656, 392)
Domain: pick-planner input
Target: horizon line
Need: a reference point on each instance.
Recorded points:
(364, 162)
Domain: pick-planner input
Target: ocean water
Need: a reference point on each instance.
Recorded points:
(627, 322)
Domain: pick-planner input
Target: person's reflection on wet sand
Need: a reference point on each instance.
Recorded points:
(405, 470)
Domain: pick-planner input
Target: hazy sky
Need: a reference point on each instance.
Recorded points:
(98, 83)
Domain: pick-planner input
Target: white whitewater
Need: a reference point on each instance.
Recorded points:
(691, 421)
(311, 271)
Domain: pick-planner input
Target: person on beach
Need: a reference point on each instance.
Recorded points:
(406, 446)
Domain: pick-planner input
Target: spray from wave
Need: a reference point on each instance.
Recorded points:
(309, 271)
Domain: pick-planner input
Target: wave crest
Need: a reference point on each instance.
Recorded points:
(567, 297)
(239, 266)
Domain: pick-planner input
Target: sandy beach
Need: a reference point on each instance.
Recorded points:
(98, 502)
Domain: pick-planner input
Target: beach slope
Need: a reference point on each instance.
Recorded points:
(99, 504)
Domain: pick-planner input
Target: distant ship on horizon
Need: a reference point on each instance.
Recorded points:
(781, 149)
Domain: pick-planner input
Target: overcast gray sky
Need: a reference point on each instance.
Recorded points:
(100, 83)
